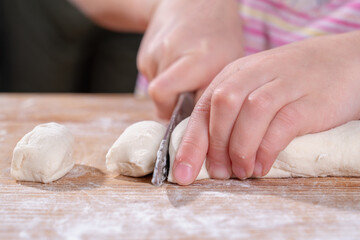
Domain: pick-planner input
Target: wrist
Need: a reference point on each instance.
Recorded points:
(118, 15)
(146, 10)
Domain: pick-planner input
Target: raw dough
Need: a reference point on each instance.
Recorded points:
(335, 152)
(134, 152)
(44, 154)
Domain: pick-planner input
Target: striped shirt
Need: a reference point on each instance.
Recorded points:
(273, 23)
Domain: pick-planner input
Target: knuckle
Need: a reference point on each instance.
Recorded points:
(288, 118)
(165, 45)
(228, 70)
(142, 59)
(155, 92)
(216, 158)
(268, 147)
(217, 145)
(259, 102)
(225, 99)
(237, 156)
(190, 143)
(232, 67)
(269, 59)
(143, 63)
(140, 63)
(202, 107)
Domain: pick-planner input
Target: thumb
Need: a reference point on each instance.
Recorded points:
(180, 76)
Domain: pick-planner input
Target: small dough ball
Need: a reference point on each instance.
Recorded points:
(175, 141)
(134, 152)
(44, 154)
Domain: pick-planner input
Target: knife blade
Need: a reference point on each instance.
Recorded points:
(184, 107)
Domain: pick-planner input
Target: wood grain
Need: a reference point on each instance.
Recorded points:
(89, 203)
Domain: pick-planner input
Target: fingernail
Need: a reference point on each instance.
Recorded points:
(183, 173)
(240, 173)
(219, 171)
(257, 170)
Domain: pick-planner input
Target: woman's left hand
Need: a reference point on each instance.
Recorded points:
(258, 104)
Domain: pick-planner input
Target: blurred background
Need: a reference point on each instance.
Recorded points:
(50, 46)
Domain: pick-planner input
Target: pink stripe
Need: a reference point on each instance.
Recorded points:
(355, 5)
(254, 31)
(272, 29)
(284, 15)
(325, 25)
(335, 5)
(274, 40)
(277, 42)
(249, 50)
(342, 22)
(258, 32)
(254, 22)
(284, 7)
(321, 25)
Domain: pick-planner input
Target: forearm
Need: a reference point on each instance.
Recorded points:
(118, 15)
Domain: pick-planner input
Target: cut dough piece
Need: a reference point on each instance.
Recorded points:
(134, 152)
(44, 154)
(335, 152)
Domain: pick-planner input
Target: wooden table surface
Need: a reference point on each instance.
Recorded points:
(90, 203)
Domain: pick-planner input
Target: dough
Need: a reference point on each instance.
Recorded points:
(335, 152)
(134, 152)
(44, 154)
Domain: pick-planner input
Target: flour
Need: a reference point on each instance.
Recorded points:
(83, 170)
(215, 213)
(3, 134)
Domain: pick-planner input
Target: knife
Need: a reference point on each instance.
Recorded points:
(184, 107)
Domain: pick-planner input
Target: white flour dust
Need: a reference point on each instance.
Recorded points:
(100, 208)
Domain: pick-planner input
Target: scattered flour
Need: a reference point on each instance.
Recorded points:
(125, 211)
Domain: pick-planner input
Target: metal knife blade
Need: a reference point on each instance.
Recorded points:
(183, 109)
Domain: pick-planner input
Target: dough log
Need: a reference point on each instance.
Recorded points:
(335, 152)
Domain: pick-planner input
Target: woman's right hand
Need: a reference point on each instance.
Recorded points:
(186, 45)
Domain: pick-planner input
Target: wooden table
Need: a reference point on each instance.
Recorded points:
(89, 203)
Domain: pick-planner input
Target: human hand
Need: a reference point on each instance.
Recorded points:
(186, 44)
(258, 104)
(118, 15)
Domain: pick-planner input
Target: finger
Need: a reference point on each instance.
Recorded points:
(226, 103)
(147, 65)
(258, 110)
(194, 146)
(192, 150)
(180, 77)
(148, 56)
(291, 121)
